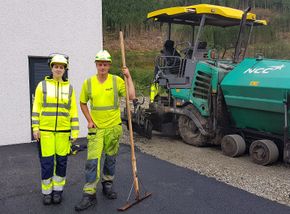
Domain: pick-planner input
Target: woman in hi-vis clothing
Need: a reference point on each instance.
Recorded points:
(55, 124)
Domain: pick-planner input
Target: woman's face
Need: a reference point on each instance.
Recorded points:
(58, 70)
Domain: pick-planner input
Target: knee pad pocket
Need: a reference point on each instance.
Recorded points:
(61, 164)
(91, 170)
(47, 164)
(109, 165)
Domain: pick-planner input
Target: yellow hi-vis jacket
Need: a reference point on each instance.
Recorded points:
(104, 99)
(54, 107)
(153, 91)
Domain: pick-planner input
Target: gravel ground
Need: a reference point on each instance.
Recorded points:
(271, 182)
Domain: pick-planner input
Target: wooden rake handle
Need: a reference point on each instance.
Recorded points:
(133, 158)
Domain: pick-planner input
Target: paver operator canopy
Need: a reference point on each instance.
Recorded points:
(216, 15)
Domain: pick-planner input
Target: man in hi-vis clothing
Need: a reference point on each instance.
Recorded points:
(104, 126)
(54, 122)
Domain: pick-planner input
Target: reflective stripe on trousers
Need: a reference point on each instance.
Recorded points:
(58, 183)
(55, 183)
(46, 186)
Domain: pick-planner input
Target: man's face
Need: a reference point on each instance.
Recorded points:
(103, 67)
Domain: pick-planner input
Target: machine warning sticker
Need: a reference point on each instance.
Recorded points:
(266, 70)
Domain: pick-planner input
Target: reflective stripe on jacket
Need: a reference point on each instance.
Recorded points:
(54, 107)
(98, 106)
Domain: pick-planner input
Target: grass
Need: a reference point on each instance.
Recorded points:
(141, 66)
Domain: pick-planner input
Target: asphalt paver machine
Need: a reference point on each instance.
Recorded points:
(240, 103)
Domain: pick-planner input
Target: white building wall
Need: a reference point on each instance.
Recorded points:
(38, 28)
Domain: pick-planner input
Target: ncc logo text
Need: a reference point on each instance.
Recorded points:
(266, 70)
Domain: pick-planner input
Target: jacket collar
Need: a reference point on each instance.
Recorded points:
(50, 79)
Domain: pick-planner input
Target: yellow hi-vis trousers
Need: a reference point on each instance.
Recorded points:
(54, 148)
(100, 140)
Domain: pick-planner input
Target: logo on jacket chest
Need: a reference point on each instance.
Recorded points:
(109, 89)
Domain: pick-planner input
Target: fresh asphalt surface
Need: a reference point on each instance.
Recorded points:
(175, 190)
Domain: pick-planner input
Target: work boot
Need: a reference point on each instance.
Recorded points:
(108, 190)
(56, 197)
(46, 199)
(87, 201)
